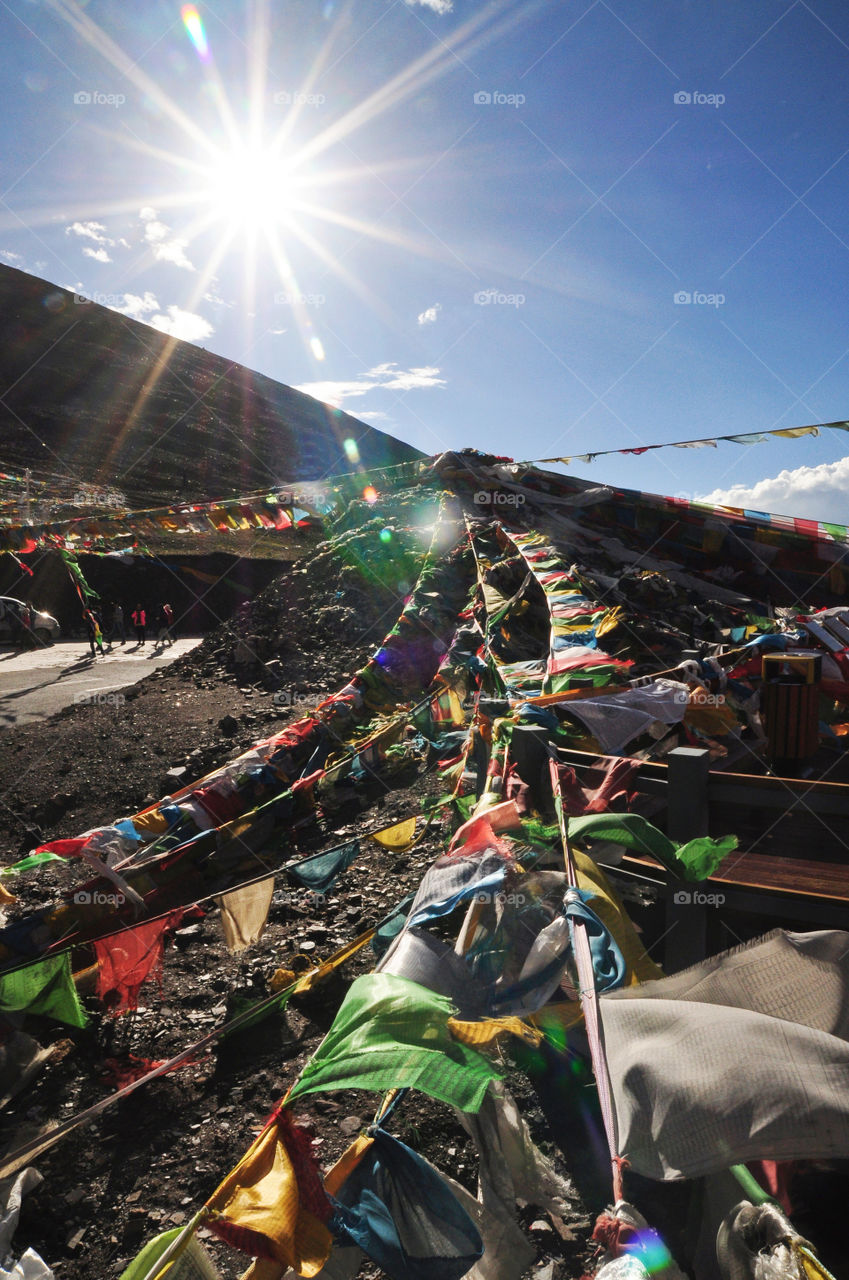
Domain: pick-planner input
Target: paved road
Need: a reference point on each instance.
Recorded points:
(40, 682)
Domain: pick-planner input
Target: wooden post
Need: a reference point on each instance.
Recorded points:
(688, 801)
(687, 817)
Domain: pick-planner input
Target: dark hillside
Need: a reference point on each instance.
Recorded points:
(92, 396)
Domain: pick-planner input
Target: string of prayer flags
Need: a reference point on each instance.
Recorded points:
(751, 437)
(273, 1204)
(392, 1033)
(45, 988)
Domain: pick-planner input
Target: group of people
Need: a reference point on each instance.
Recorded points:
(138, 617)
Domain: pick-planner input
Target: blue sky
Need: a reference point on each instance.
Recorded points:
(467, 223)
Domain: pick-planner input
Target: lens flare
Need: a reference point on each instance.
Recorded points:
(193, 23)
(370, 494)
(385, 534)
(352, 453)
(316, 348)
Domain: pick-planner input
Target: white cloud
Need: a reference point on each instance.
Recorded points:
(386, 377)
(438, 6)
(8, 256)
(812, 493)
(429, 316)
(138, 308)
(186, 325)
(99, 255)
(164, 246)
(89, 231)
(212, 295)
(277, 332)
(373, 415)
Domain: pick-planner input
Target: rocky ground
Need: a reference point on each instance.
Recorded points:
(153, 1159)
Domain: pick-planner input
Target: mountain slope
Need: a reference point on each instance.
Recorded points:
(89, 395)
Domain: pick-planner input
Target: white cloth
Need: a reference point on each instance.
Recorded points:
(12, 1192)
(244, 913)
(742, 1057)
(616, 720)
(512, 1168)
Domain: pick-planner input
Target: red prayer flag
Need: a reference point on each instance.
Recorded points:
(127, 959)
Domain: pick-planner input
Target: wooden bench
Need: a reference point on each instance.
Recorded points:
(786, 886)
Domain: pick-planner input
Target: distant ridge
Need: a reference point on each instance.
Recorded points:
(119, 403)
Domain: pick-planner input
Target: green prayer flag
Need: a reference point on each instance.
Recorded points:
(695, 860)
(193, 1264)
(46, 988)
(387, 929)
(391, 1033)
(34, 860)
(319, 870)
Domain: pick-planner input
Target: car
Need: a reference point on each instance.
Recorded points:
(45, 628)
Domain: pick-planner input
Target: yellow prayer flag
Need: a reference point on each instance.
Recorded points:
(483, 1035)
(399, 836)
(260, 1206)
(347, 1163)
(609, 621)
(150, 823)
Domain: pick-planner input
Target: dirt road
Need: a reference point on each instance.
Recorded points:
(38, 683)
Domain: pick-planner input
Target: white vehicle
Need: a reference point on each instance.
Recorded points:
(45, 628)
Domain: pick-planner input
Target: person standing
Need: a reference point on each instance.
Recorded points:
(139, 620)
(95, 635)
(118, 624)
(168, 615)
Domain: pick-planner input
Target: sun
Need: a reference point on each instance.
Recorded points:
(251, 187)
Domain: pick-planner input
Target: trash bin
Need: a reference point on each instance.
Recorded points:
(790, 692)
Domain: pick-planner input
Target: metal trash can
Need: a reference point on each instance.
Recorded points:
(790, 693)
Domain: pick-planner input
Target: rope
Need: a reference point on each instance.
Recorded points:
(589, 1002)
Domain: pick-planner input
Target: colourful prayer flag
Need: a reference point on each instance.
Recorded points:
(393, 1033)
